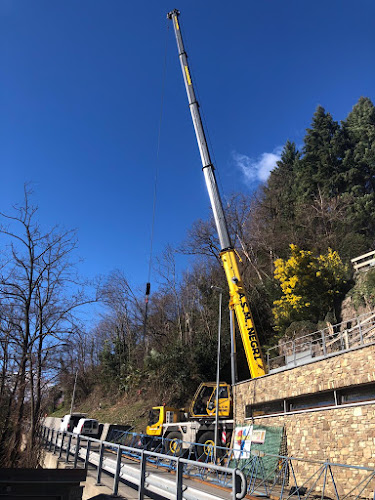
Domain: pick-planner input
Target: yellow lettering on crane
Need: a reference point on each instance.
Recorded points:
(177, 26)
(240, 305)
(187, 75)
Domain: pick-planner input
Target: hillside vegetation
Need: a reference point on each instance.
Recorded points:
(295, 236)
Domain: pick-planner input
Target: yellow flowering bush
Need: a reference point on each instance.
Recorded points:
(309, 285)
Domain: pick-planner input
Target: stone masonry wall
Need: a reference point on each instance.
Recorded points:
(344, 434)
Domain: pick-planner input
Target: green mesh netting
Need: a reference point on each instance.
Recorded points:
(273, 440)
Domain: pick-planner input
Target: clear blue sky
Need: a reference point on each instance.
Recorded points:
(80, 95)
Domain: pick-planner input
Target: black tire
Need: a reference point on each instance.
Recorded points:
(173, 444)
(207, 443)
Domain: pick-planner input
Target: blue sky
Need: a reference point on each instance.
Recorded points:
(80, 98)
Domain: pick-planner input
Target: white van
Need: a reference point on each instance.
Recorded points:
(68, 422)
(87, 427)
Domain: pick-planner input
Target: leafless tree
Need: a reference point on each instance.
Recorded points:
(122, 323)
(39, 293)
(167, 271)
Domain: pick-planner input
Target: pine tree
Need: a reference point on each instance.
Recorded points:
(319, 169)
(278, 201)
(358, 174)
(279, 192)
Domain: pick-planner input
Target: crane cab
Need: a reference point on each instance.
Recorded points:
(204, 401)
(160, 415)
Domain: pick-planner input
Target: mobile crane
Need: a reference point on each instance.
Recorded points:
(170, 422)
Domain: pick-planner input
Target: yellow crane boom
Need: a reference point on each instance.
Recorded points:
(238, 300)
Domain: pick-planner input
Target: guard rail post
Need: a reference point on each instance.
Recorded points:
(284, 477)
(43, 435)
(76, 452)
(117, 473)
(179, 471)
(51, 439)
(360, 330)
(342, 345)
(325, 477)
(46, 436)
(62, 444)
(46, 442)
(100, 462)
(87, 457)
(68, 448)
(324, 343)
(239, 485)
(142, 476)
(334, 482)
(55, 443)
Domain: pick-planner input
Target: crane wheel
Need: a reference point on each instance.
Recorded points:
(206, 444)
(173, 444)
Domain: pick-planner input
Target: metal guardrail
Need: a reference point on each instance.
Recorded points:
(321, 344)
(81, 449)
(236, 471)
(361, 262)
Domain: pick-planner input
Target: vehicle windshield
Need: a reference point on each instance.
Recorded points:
(223, 392)
(200, 406)
(153, 417)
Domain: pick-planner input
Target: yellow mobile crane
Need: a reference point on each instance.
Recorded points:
(170, 422)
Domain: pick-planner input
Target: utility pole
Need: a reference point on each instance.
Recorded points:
(220, 290)
(74, 392)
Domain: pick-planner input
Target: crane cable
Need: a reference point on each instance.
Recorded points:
(148, 284)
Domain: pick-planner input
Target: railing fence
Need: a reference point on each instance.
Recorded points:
(333, 339)
(237, 471)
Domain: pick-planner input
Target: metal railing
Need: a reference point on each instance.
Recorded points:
(136, 469)
(235, 470)
(364, 261)
(344, 336)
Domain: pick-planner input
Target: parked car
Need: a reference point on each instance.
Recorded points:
(68, 422)
(87, 427)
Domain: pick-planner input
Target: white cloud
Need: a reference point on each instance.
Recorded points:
(257, 169)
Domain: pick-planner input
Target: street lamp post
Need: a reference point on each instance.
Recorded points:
(233, 355)
(220, 290)
(74, 392)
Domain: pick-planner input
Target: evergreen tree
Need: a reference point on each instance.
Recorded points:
(278, 202)
(279, 192)
(358, 174)
(319, 169)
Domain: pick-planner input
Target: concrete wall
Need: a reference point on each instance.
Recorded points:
(344, 434)
(52, 422)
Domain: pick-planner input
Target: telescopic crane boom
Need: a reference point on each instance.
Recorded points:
(238, 300)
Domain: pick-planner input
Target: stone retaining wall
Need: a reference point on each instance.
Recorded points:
(343, 434)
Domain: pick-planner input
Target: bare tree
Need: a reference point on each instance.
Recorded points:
(123, 321)
(39, 292)
(169, 284)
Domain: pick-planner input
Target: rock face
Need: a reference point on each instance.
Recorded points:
(343, 433)
(348, 311)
